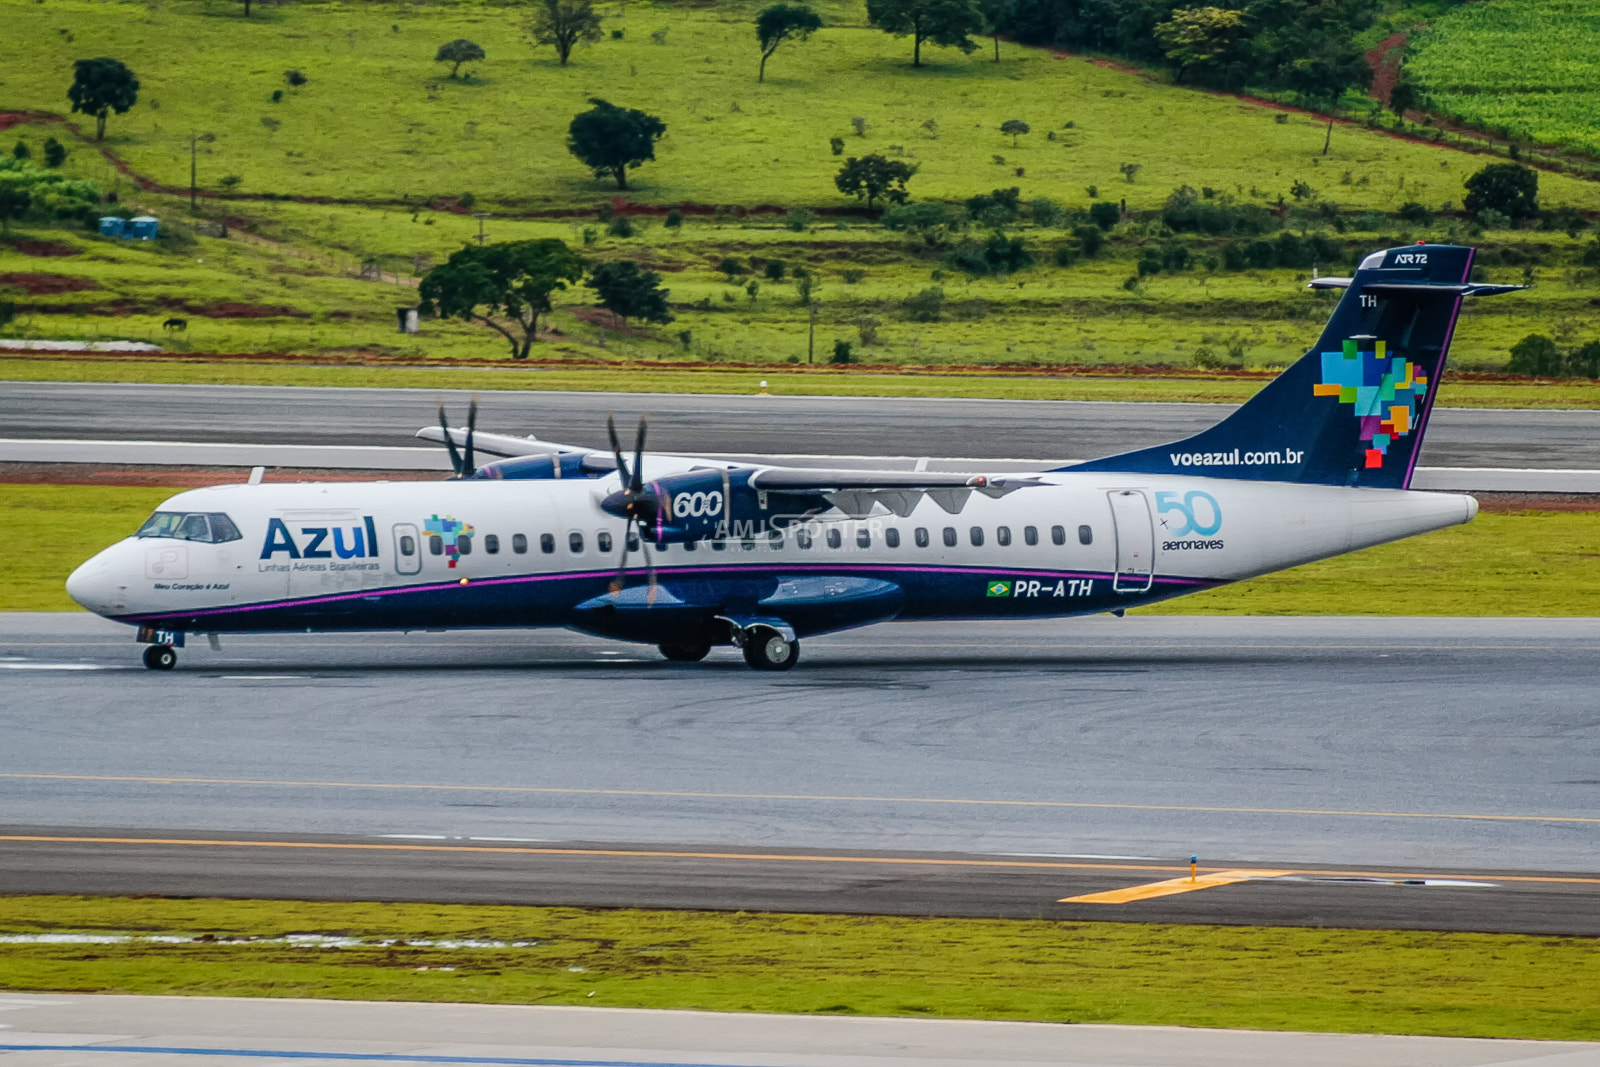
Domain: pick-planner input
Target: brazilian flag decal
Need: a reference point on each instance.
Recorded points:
(999, 588)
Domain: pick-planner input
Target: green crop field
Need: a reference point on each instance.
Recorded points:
(1523, 66)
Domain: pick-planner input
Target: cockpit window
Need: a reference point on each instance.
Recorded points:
(210, 527)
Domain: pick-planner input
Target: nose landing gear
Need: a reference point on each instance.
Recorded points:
(160, 657)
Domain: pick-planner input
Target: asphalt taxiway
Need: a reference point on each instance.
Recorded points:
(701, 424)
(1337, 762)
(53, 1030)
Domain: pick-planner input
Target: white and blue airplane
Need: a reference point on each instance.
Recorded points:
(1317, 464)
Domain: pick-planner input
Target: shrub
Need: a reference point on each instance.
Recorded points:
(1511, 190)
(620, 226)
(295, 78)
(1490, 219)
(674, 219)
(799, 219)
(1104, 214)
(1415, 214)
(1372, 222)
(853, 275)
(1000, 254)
(1188, 212)
(837, 145)
(1235, 256)
(1064, 256)
(1175, 256)
(1291, 251)
(867, 327)
(55, 153)
(731, 268)
(1585, 361)
(935, 223)
(1535, 355)
(1091, 239)
(1046, 213)
(775, 270)
(841, 352)
(995, 208)
(926, 305)
(1260, 254)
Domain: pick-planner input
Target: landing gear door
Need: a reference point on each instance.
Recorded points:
(1136, 541)
(407, 549)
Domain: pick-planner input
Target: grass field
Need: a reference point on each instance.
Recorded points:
(1260, 978)
(1524, 66)
(500, 135)
(1528, 563)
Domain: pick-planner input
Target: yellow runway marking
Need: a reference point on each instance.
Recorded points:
(1170, 887)
(766, 857)
(823, 797)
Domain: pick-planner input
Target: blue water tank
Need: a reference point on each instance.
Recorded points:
(111, 226)
(143, 228)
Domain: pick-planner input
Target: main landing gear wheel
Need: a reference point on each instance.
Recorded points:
(160, 657)
(768, 650)
(684, 652)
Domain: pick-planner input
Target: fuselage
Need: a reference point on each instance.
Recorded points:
(457, 554)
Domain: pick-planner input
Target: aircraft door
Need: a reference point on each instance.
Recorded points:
(407, 549)
(1136, 541)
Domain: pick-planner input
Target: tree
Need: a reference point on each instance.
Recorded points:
(1016, 128)
(630, 293)
(1203, 39)
(101, 86)
(944, 22)
(780, 23)
(14, 202)
(511, 279)
(610, 140)
(55, 153)
(21, 151)
(1535, 355)
(564, 23)
(1404, 97)
(1504, 187)
(457, 52)
(874, 178)
(998, 14)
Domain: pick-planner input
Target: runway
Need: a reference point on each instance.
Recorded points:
(71, 1030)
(826, 426)
(1334, 757)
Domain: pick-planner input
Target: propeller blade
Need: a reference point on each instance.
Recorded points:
(616, 451)
(622, 568)
(467, 469)
(650, 573)
(638, 455)
(449, 442)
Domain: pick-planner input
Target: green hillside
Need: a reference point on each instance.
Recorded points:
(1527, 68)
(379, 119)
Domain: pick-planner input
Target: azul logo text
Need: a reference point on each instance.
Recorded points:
(321, 542)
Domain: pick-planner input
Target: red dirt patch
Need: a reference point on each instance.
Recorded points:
(39, 248)
(247, 311)
(1385, 63)
(47, 284)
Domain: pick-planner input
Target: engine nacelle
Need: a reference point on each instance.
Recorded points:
(552, 465)
(708, 504)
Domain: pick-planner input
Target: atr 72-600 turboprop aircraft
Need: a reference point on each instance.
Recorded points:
(1316, 464)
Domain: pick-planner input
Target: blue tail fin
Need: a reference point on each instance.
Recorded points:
(1353, 410)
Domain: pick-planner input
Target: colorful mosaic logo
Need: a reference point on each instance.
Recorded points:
(450, 531)
(1384, 389)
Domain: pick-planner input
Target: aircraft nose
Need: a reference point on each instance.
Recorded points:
(92, 585)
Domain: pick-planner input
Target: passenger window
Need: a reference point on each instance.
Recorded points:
(223, 529)
(891, 537)
(921, 537)
(950, 537)
(633, 540)
(1030, 534)
(1085, 535)
(802, 538)
(408, 546)
(690, 546)
(602, 541)
(547, 543)
(1058, 535)
(748, 545)
(719, 545)
(519, 544)
(491, 544)
(775, 539)
(835, 539)
(976, 533)
(194, 528)
(436, 544)
(464, 544)
(575, 541)
(1002, 535)
(864, 537)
